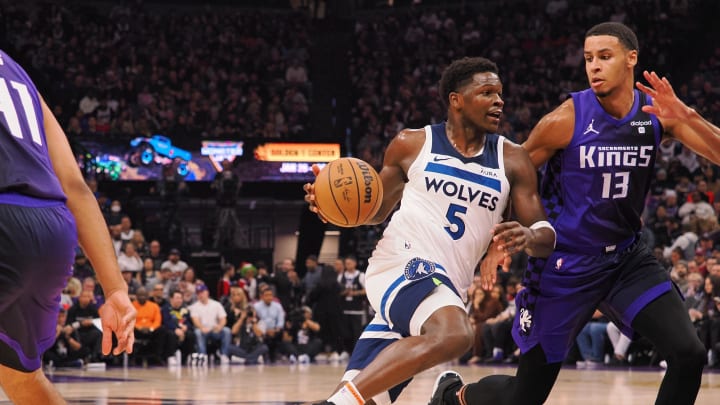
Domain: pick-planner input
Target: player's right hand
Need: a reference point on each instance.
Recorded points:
(310, 195)
(118, 315)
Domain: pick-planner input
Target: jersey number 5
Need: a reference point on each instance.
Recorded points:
(618, 182)
(8, 110)
(453, 216)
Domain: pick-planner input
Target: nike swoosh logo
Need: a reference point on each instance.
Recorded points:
(439, 159)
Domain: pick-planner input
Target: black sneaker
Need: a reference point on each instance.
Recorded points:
(446, 380)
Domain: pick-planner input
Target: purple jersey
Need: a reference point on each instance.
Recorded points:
(25, 167)
(594, 190)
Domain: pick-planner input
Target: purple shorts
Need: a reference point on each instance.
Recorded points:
(37, 247)
(562, 292)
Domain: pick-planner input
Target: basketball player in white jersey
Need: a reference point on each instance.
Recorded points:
(454, 181)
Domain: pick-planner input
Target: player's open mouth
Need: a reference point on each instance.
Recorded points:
(495, 114)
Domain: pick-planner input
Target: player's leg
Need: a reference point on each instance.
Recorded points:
(560, 296)
(666, 324)
(30, 287)
(374, 339)
(645, 300)
(531, 385)
(28, 387)
(428, 311)
(446, 335)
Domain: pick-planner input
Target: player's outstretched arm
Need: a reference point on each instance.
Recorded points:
(680, 121)
(118, 314)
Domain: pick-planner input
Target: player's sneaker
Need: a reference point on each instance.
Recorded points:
(446, 380)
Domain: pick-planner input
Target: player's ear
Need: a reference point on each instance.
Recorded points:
(632, 59)
(455, 100)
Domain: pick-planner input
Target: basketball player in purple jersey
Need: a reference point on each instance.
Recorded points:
(45, 207)
(600, 147)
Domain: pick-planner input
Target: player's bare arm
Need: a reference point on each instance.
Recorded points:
(680, 121)
(512, 236)
(399, 155)
(118, 314)
(552, 133)
(522, 235)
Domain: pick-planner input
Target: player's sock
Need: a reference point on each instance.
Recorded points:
(347, 395)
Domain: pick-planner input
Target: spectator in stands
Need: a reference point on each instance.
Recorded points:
(326, 302)
(80, 316)
(129, 260)
(148, 326)
(620, 343)
(67, 351)
(177, 322)
(353, 303)
(496, 333)
(150, 275)
(312, 274)
(591, 341)
(156, 254)
(114, 217)
(287, 284)
(209, 321)
(141, 246)
(174, 263)
(126, 231)
(157, 295)
(249, 280)
(484, 305)
(271, 313)
(223, 287)
(82, 267)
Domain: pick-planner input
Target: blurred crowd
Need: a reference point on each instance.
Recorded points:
(127, 70)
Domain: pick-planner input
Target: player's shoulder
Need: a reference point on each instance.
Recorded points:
(407, 143)
(562, 115)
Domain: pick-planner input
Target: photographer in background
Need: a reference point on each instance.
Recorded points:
(227, 187)
(247, 330)
(301, 341)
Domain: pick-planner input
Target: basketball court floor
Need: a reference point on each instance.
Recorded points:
(285, 384)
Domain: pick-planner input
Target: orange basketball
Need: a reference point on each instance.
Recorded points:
(348, 192)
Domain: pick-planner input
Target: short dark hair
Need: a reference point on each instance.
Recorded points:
(461, 72)
(622, 32)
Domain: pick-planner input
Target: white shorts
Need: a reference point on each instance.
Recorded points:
(406, 295)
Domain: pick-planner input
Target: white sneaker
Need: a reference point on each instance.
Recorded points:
(261, 359)
(663, 364)
(334, 357)
(344, 356)
(172, 361)
(580, 364)
(237, 360)
(304, 359)
(224, 359)
(293, 359)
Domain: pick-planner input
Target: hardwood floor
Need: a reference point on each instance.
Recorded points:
(292, 384)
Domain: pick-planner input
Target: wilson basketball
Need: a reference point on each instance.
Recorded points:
(348, 192)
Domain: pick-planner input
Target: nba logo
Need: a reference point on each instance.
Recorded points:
(558, 263)
(641, 130)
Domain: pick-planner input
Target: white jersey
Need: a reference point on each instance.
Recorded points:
(449, 205)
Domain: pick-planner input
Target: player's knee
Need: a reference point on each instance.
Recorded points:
(689, 356)
(455, 342)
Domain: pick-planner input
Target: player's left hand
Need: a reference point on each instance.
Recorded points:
(118, 315)
(510, 237)
(666, 104)
(309, 189)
